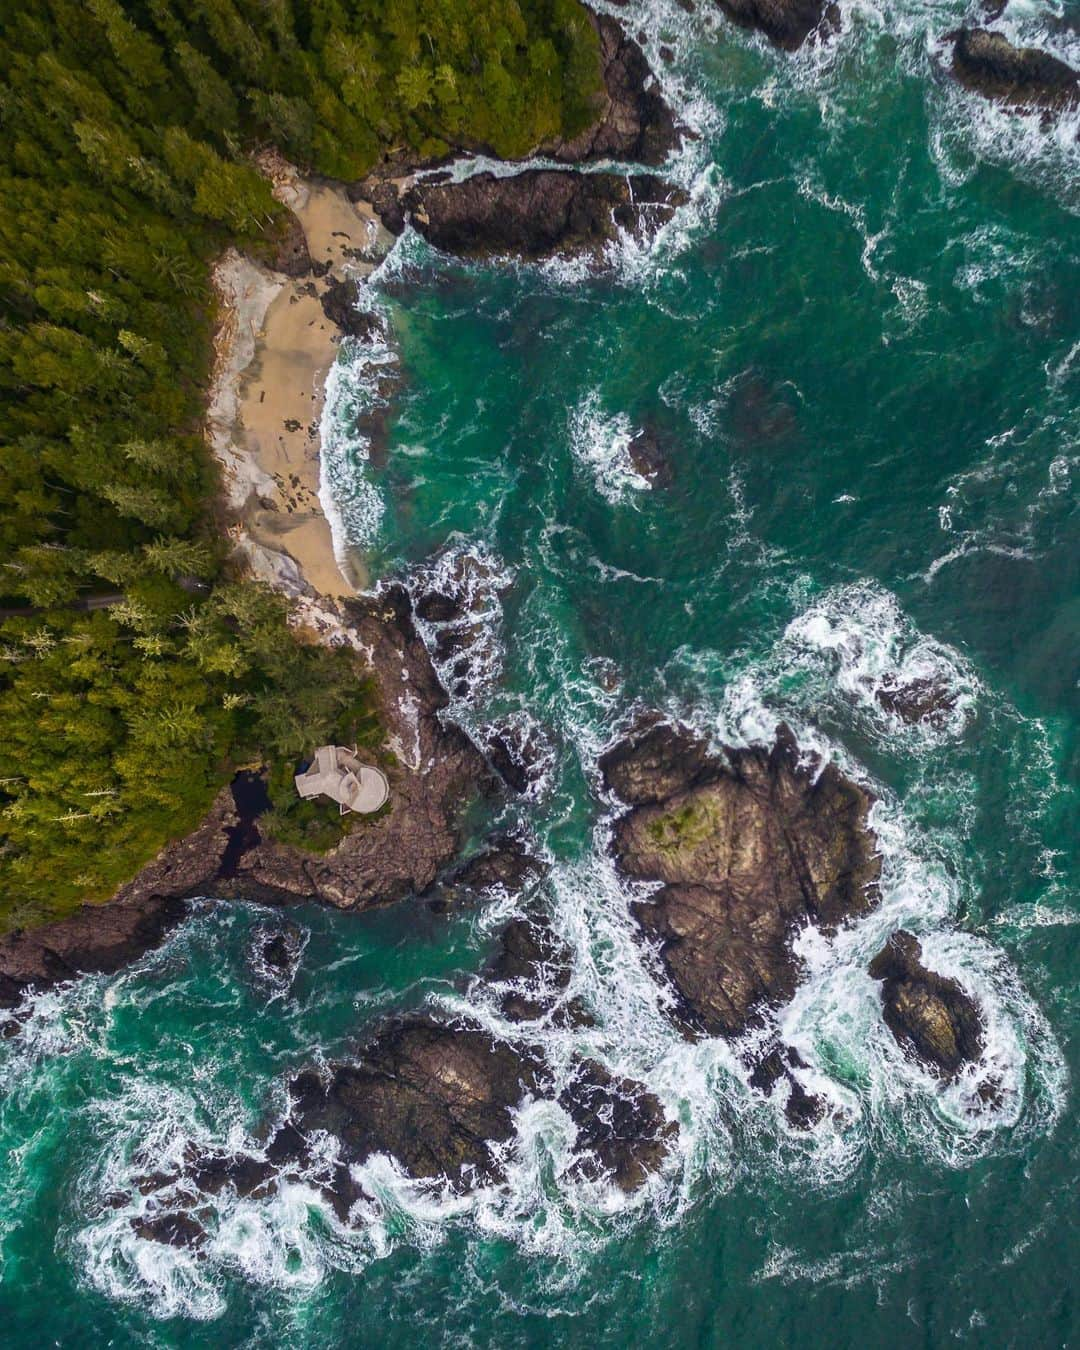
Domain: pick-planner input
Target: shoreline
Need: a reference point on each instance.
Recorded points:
(274, 348)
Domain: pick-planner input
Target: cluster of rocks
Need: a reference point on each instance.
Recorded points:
(751, 846)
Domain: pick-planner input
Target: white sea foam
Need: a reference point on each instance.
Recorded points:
(860, 640)
(351, 502)
(600, 442)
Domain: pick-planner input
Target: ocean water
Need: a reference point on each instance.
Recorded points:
(860, 344)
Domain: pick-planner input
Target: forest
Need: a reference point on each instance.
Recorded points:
(125, 169)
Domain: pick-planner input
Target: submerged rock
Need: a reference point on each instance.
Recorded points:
(96, 939)
(650, 458)
(927, 700)
(535, 213)
(930, 1015)
(177, 1229)
(535, 964)
(1023, 78)
(786, 23)
(519, 752)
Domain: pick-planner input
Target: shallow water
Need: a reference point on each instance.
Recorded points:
(861, 344)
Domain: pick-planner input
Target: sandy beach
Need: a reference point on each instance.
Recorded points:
(275, 346)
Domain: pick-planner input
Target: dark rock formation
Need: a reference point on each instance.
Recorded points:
(535, 213)
(506, 864)
(190, 865)
(97, 939)
(786, 23)
(519, 752)
(751, 848)
(291, 254)
(338, 302)
(655, 763)
(177, 1229)
(634, 122)
(535, 965)
(1023, 78)
(622, 1130)
(802, 1108)
(432, 1096)
(930, 1015)
(928, 700)
(275, 953)
(650, 458)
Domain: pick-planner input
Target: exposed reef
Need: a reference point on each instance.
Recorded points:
(1022, 78)
(929, 1014)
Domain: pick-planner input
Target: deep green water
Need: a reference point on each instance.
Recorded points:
(862, 346)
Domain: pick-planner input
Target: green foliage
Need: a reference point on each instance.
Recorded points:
(146, 675)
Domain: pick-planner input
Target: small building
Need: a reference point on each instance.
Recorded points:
(335, 772)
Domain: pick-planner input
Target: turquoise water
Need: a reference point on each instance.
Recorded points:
(861, 347)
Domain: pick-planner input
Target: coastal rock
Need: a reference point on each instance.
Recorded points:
(927, 700)
(96, 939)
(786, 23)
(437, 771)
(535, 213)
(634, 122)
(803, 1109)
(188, 866)
(175, 1229)
(1022, 78)
(929, 1014)
(622, 1131)
(656, 762)
(751, 849)
(519, 752)
(505, 865)
(433, 1097)
(291, 254)
(534, 964)
(650, 458)
(338, 302)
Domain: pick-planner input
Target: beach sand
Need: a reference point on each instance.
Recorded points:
(275, 347)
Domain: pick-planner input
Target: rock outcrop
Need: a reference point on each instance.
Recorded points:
(532, 214)
(622, 1132)
(533, 965)
(786, 23)
(927, 700)
(437, 770)
(434, 1097)
(1022, 78)
(634, 122)
(96, 939)
(929, 1014)
(751, 848)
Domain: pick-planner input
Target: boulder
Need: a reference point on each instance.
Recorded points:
(929, 1014)
(1023, 78)
(519, 752)
(505, 865)
(338, 301)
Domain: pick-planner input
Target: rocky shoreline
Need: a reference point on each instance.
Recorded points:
(748, 846)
